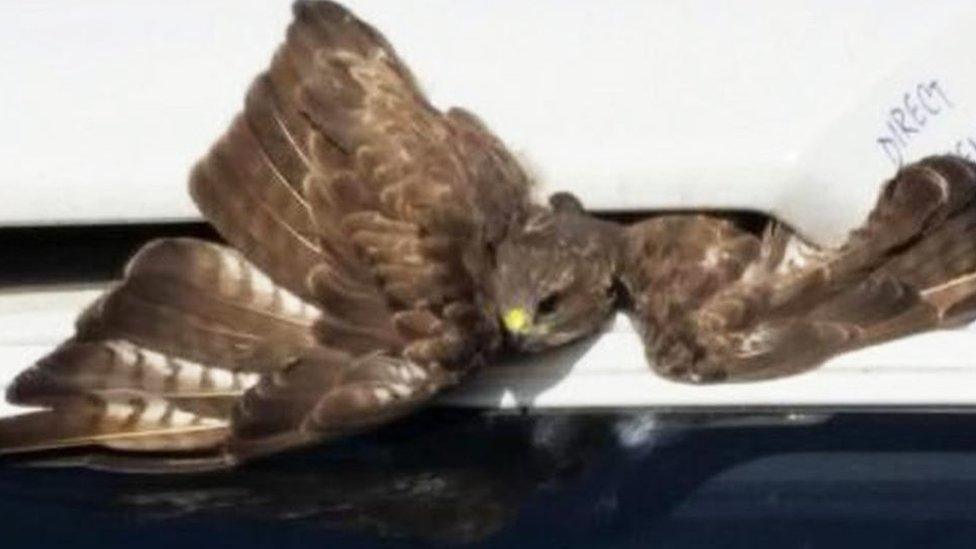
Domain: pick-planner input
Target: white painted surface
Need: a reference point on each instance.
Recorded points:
(937, 369)
(764, 104)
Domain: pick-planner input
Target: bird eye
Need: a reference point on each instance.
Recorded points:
(548, 305)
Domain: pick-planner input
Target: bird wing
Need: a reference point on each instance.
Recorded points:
(783, 306)
(359, 221)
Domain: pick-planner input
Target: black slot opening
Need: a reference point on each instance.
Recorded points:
(79, 254)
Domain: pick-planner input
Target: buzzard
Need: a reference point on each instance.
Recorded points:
(379, 249)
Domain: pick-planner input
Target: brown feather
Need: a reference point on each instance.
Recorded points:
(910, 268)
(132, 424)
(251, 224)
(119, 367)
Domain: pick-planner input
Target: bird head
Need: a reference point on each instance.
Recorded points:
(554, 276)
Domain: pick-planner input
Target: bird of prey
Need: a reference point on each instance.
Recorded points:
(379, 249)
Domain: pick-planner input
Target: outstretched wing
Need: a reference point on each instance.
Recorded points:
(781, 306)
(360, 221)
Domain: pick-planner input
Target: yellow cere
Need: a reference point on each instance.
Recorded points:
(516, 320)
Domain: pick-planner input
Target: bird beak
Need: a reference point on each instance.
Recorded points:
(517, 321)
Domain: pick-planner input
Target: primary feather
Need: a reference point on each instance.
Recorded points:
(717, 303)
